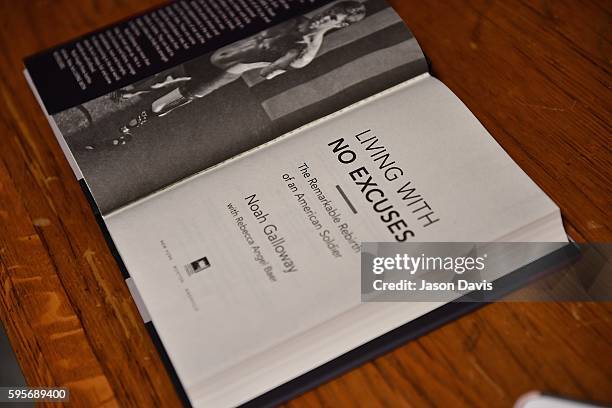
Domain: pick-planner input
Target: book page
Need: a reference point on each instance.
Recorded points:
(257, 253)
(238, 89)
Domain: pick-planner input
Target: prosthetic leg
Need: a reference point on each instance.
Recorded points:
(178, 97)
(160, 107)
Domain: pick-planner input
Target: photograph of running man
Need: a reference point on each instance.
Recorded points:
(171, 125)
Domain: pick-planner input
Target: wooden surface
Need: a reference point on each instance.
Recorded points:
(536, 73)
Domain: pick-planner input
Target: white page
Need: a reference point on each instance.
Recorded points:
(213, 320)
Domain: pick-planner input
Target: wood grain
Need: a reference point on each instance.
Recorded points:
(536, 73)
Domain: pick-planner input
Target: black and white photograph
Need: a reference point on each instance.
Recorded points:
(157, 131)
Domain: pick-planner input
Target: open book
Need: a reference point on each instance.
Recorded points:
(239, 153)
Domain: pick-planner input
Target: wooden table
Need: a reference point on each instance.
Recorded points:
(536, 73)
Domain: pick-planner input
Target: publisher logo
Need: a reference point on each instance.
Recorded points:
(197, 266)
